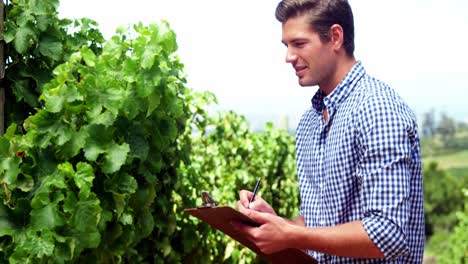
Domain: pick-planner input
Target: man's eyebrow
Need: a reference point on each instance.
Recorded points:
(299, 40)
(294, 41)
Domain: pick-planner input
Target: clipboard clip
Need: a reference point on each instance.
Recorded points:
(207, 200)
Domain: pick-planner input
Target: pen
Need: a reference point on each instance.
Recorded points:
(255, 190)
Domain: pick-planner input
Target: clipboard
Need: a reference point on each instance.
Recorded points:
(219, 217)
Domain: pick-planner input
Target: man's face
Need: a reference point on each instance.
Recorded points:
(311, 59)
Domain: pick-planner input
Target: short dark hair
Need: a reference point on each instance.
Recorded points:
(322, 14)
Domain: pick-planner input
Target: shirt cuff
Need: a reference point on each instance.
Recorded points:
(386, 235)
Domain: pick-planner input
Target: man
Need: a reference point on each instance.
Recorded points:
(358, 155)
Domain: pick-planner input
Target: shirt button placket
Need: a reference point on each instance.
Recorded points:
(321, 157)
(323, 137)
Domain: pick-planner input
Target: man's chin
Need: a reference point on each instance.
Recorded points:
(305, 83)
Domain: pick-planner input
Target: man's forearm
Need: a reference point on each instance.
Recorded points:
(348, 240)
(299, 221)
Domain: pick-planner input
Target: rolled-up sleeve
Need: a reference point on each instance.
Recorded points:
(385, 131)
(387, 236)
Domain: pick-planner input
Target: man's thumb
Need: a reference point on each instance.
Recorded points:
(258, 217)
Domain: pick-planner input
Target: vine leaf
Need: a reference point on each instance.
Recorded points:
(24, 39)
(115, 157)
(51, 48)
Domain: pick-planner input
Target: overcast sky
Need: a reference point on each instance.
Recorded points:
(233, 48)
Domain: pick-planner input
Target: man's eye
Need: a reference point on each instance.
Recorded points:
(299, 44)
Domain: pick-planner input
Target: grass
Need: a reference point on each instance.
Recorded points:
(457, 162)
(458, 172)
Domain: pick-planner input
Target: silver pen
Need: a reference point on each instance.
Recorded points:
(255, 190)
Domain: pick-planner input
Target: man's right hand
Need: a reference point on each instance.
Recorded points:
(258, 204)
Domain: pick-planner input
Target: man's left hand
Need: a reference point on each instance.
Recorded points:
(272, 235)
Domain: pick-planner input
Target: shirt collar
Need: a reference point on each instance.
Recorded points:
(344, 88)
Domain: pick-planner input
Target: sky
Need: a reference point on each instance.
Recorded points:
(233, 48)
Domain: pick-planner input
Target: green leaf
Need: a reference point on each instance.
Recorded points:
(87, 214)
(54, 101)
(70, 202)
(97, 141)
(165, 246)
(42, 22)
(9, 169)
(73, 146)
(177, 108)
(146, 87)
(49, 184)
(22, 90)
(143, 197)
(4, 147)
(92, 150)
(24, 39)
(138, 145)
(106, 118)
(64, 251)
(33, 244)
(120, 201)
(25, 19)
(121, 184)
(130, 70)
(168, 129)
(6, 227)
(112, 50)
(56, 96)
(51, 48)
(115, 157)
(90, 239)
(134, 105)
(128, 184)
(84, 178)
(47, 217)
(126, 219)
(40, 119)
(88, 56)
(25, 183)
(107, 93)
(40, 7)
(64, 134)
(10, 31)
(150, 54)
(167, 38)
(229, 248)
(85, 221)
(145, 223)
(153, 102)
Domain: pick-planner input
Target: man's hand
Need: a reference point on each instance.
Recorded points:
(273, 233)
(258, 204)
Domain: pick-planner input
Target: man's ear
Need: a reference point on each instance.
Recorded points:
(336, 36)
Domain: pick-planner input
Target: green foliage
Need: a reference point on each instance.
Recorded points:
(449, 161)
(454, 247)
(92, 177)
(36, 42)
(113, 147)
(103, 169)
(227, 157)
(457, 252)
(442, 198)
(107, 146)
(443, 146)
(443, 136)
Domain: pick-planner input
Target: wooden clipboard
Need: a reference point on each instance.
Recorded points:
(219, 217)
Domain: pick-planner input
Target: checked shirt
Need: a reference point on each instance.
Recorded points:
(363, 164)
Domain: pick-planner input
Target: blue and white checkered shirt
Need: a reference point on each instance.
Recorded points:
(363, 164)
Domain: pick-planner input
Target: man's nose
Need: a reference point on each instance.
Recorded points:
(291, 57)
